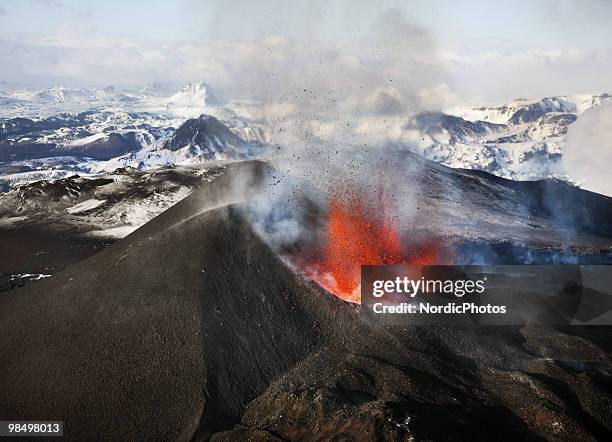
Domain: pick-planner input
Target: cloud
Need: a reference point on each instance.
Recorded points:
(307, 85)
(587, 154)
(394, 68)
(495, 77)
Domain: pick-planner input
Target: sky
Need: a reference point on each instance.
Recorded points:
(455, 52)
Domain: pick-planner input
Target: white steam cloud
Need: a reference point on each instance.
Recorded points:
(587, 154)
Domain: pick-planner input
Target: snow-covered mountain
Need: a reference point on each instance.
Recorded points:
(520, 140)
(55, 132)
(59, 146)
(188, 101)
(196, 95)
(525, 110)
(71, 129)
(197, 140)
(59, 95)
(208, 137)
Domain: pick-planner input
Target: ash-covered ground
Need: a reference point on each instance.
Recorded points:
(47, 225)
(194, 327)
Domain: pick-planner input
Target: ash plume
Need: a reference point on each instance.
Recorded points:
(353, 88)
(333, 110)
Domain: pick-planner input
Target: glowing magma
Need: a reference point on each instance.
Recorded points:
(359, 234)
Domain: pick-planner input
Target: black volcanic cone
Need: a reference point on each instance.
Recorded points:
(192, 328)
(187, 319)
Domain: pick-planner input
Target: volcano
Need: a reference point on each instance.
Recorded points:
(154, 327)
(194, 328)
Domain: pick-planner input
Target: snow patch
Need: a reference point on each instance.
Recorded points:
(85, 206)
(11, 220)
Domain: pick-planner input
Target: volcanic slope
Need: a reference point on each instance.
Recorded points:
(192, 328)
(186, 320)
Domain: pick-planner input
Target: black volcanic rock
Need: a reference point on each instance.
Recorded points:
(192, 328)
(438, 384)
(59, 189)
(209, 138)
(564, 205)
(23, 151)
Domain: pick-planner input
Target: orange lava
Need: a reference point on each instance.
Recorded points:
(357, 235)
